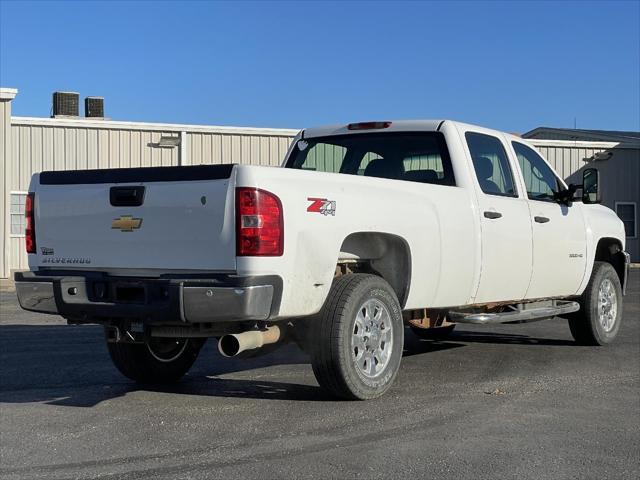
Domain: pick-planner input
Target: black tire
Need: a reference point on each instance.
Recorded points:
(332, 355)
(436, 333)
(167, 365)
(585, 325)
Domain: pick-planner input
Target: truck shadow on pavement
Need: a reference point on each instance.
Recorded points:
(70, 366)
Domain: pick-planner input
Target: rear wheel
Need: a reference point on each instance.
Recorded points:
(357, 338)
(598, 320)
(159, 360)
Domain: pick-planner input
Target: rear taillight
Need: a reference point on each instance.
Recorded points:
(30, 214)
(259, 224)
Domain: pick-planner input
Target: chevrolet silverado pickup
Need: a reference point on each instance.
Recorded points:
(366, 229)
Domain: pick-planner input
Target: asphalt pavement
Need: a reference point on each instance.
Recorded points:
(519, 401)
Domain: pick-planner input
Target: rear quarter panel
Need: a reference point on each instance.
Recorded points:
(436, 222)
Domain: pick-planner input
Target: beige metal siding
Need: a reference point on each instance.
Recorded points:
(216, 148)
(568, 160)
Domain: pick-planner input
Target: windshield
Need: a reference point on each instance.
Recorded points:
(412, 156)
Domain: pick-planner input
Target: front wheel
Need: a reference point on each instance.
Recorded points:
(600, 315)
(159, 360)
(357, 338)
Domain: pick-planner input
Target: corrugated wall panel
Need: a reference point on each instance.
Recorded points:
(274, 151)
(59, 153)
(283, 144)
(195, 150)
(92, 149)
(245, 150)
(14, 173)
(567, 160)
(81, 148)
(103, 150)
(236, 149)
(71, 153)
(216, 149)
(207, 153)
(36, 150)
(24, 144)
(135, 148)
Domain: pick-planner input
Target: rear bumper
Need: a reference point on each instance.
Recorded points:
(98, 298)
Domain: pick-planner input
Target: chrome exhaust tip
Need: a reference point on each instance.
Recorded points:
(236, 343)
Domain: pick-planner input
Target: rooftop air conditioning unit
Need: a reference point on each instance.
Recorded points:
(66, 104)
(94, 107)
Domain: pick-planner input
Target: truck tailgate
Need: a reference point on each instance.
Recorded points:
(91, 220)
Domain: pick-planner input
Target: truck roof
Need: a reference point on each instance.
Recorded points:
(396, 126)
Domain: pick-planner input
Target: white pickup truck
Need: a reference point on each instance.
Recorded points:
(367, 228)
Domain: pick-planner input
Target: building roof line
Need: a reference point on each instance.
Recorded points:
(584, 134)
(82, 122)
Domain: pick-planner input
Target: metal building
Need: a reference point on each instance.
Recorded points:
(30, 145)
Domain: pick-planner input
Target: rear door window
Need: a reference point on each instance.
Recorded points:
(491, 164)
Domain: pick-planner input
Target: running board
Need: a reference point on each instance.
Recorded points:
(521, 313)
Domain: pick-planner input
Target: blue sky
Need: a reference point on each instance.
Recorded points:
(511, 66)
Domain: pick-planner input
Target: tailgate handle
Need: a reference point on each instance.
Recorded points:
(126, 196)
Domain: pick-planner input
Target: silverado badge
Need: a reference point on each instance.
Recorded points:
(126, 223)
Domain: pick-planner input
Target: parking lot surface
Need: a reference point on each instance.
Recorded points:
(519, 401)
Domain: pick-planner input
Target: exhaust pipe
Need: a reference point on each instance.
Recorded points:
(233, 344)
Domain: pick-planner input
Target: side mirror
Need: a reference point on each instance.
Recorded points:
(566, 196)
(590, 182)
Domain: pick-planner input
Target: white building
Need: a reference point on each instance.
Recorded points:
(29, 145)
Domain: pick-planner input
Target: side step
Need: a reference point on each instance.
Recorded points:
(520, 313)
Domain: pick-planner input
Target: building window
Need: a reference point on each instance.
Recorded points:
(16, 212)
(627, 213)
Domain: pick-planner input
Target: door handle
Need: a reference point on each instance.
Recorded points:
(492, 215)
(541, 219)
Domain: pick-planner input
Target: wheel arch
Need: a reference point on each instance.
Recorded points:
(610, 250)
(388, 256)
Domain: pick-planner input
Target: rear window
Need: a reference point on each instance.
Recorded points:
(414, 156)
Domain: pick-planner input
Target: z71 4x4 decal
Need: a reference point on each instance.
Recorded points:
(322, 205)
